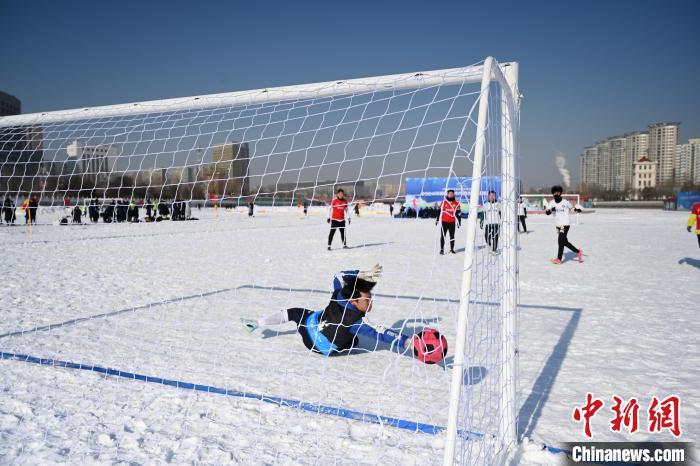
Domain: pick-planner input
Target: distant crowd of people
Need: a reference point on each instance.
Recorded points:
(121, 210)
(410, 212)
(9, 210)
(108, 210)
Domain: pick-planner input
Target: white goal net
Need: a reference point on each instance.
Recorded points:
(144, 237)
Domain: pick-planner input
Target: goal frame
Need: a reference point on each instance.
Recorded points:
(504, 74)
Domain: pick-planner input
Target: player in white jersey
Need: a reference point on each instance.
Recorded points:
(522, 214)
(561, 209)
(491, 216)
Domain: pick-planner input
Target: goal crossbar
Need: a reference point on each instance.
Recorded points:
(395, 82)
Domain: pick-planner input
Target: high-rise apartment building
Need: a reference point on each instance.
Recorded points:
(663, 138)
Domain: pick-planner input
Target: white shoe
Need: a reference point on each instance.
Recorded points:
(249, 324)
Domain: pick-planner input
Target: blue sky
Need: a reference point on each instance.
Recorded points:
(588, 69)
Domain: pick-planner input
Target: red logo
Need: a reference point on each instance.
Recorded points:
(665, 415)
(662, 414)
(627, 415)
(587, 412)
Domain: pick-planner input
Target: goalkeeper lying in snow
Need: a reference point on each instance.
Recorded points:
(334, 330)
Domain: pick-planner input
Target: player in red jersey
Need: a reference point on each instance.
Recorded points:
(450, 214)
(695, 218)
(336, 218)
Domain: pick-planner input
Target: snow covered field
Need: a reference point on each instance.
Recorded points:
(164, 300)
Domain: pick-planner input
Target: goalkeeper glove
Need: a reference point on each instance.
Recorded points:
(408, 344)
(412, 342)
(372, 274)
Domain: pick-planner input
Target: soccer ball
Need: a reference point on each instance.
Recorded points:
(429, 346)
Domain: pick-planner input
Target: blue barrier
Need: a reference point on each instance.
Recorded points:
(686, 199)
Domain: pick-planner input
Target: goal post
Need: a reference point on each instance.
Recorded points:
(248, 166)
(506, 436)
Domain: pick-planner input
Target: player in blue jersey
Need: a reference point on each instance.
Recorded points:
(335, 329)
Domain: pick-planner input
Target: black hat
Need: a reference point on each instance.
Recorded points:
(353, 287)
(556, 189)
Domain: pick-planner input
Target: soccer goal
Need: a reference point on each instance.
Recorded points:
(159, 237)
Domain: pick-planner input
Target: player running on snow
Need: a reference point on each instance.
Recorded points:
(695, 218)
(450, 215)
(561, 208)
(336, 218)
(335, 329)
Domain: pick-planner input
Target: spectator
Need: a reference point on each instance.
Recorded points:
(8, 209)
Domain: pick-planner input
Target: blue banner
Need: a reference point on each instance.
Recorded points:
(684, 201)
(428, 192)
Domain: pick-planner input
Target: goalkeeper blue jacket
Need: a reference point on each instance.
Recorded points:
(334, 328)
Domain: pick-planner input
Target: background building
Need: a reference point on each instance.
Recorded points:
(637, 146)
(683, 165)
(21, 159)
(589, 166)
(695, 151)
(387, 191)
(609, 165)
(9, 105)
(605, 165)
(357, 190)
(618, 160)
(687, 164)
(663, 138)
(644, 174)
(93, 163)
(228, 174)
